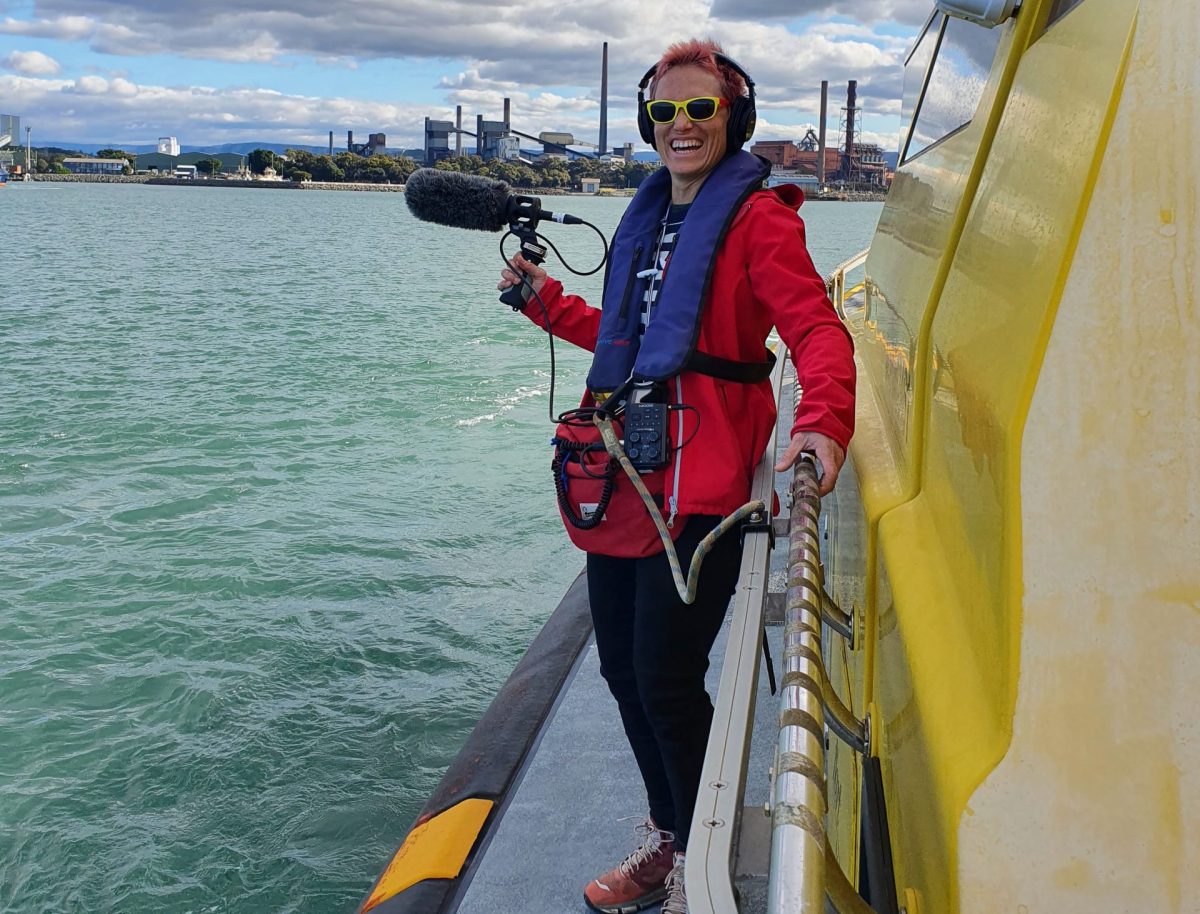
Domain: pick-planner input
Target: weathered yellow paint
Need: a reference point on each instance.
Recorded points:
(947, 670)
(1096, 805)
(435, 849)
(909, 260)
(1020, 464)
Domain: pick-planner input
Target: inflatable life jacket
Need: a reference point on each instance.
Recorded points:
(668, 346)
(600, 508)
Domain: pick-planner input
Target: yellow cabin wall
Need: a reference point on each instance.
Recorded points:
(974, 251)
(910, 257)
(1096, 806)
(946, 674)
(908, 264)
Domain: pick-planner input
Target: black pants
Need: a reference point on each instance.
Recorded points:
(654, 653)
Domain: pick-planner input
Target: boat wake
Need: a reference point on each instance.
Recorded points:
(502, 405)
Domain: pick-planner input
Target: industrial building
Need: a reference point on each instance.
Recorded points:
(10, 129)
(167, 164)
(376, 144)
(86, 165)
(498, 140)
(10, 132)
(849, 163)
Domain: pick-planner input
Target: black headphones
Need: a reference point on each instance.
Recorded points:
(742, 114)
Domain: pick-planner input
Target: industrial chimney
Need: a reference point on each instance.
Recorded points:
(821, 133)
(851, 107)
(604, 101)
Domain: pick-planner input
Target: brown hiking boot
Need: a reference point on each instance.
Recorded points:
(639, 880)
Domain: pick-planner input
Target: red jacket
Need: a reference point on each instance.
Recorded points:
(763, 278)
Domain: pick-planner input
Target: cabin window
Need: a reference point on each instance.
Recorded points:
(916, 71)
(956, 83)
(1060, 9)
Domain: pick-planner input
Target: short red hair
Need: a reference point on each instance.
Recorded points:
(697, 52)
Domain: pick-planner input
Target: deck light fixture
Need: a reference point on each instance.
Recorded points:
(988, 13)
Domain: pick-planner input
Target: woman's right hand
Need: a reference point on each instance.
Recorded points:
(509, 277)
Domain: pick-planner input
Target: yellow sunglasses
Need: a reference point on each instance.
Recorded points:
(702, 108)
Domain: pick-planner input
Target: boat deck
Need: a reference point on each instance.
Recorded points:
(561, 825)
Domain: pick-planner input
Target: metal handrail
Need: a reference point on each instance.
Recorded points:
(804, 875)
(797, 875)
(837, 618)
(836, 281)
(712, 842)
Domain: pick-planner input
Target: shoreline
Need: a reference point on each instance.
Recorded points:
(846, 197)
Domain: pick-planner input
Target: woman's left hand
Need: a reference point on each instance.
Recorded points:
(827, 451)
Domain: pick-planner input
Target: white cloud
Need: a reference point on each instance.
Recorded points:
(62, 28)
(563, 51)
(907, 11)
(120, 111)
(32, 63)
(552, 77)
(90, 85)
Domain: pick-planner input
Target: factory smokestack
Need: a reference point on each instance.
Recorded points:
(331, 144)
(821, 133)
(851, 104)
(507, 112)
(458, 130)
(604, 101)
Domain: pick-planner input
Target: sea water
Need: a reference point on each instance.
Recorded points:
(276, 522)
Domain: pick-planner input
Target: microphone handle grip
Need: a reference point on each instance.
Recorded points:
(516, 296)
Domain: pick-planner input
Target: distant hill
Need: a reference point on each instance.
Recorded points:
(234, 148)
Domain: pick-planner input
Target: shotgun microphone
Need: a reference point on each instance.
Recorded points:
(474, 202)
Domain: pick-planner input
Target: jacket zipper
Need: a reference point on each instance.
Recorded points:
(633, 271)
(674, 499)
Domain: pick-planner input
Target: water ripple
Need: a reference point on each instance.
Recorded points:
(275, 523)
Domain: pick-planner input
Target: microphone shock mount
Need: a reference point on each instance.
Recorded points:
(523, 216)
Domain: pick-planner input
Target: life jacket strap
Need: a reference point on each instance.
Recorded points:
(729, 369)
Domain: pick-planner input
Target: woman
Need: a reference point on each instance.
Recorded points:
(698, 342)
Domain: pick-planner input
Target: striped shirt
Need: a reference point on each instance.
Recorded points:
(666, 242)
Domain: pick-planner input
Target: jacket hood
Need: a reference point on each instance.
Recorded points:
(790, 194)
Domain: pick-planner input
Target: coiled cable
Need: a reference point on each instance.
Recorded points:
(686, 587)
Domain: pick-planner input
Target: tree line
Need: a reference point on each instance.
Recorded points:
(551, 172)
(547, 172)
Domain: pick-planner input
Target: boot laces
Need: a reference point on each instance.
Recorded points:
(676, 900)
(652, 842)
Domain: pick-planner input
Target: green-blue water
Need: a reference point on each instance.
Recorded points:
(275, 524)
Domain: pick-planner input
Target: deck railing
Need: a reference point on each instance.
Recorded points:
(835, 282)
(803, 875)
(712, 844)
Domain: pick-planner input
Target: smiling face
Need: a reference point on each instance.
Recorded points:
(690, 150)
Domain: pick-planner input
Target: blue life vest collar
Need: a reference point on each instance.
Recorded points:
(668, 346)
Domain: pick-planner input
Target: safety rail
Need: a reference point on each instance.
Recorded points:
(803, 877)
(712, 844)
(835, 283)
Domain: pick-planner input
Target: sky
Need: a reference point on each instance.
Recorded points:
(220, 71)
